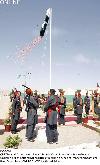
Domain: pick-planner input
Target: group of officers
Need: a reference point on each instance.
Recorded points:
(54, 109)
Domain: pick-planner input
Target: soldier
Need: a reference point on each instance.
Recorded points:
(51, 117)
(97, 103)
(11, 95)
(31, 109)
(75, 103)
(36, 96)
(16, 109)
(79, 108)
(48, 95)
(87, 103)
(61, 107)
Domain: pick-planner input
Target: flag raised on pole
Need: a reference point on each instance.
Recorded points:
(45, 23)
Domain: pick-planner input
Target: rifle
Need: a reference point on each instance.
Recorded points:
(28, 90)
(25, 86)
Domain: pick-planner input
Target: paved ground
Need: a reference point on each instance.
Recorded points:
(68, 136)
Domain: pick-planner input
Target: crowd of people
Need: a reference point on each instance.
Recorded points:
(54, 107)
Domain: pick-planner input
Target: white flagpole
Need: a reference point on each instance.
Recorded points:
(50, 44)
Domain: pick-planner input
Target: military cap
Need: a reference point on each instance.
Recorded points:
(52, 91)
(61, 90)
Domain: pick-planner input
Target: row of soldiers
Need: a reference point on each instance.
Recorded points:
(78, 104)
(54, 106)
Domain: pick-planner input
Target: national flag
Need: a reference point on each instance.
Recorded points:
(45, 23)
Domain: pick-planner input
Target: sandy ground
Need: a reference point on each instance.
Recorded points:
(68, 135)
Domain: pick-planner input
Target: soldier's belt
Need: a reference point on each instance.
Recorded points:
(52, 109)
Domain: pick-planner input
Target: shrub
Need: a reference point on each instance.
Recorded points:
(12, 142)
(69, 107)
(95, 115)
(84, 115)
(7, 121)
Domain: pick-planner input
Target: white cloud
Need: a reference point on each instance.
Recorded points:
(82, 59)
(58, 31)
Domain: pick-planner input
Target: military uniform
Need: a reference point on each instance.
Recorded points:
(79, 109)
(61, 110)
(97, 105)
(51, 119)
(87, 104)
(11, 95)
(31, 109)
(75, 104)
(16, 108)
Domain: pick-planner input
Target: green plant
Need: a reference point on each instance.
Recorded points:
(95, 115)
(69, 107)
(12, 142)
(7, 121)
(84, 115)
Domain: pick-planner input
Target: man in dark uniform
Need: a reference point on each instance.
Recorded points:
(51, 117)
(87, 103)
(36, 96)
(79, 108)
(31, 109)
(61, 107)
(16, 109)
(11, 95)
(97, 103)
(75, 103)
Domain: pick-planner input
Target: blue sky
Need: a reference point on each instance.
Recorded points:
(75, 44)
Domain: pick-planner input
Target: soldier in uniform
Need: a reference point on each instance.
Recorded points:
(11, 95)
(87, 103)
(36, 96)
(79, 108)
(97, 103)
(51, 117)
(31, 109)
(75, 103)
(61, 107)
(16, 109)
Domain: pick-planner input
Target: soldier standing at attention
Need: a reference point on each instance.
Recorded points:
(36, 96)
(87, 103)
(51, 117)
(97, 103)
(16, 109)
(11, 95)
(61, 107)
(31, 109)
(75, 103)
(79, 109)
